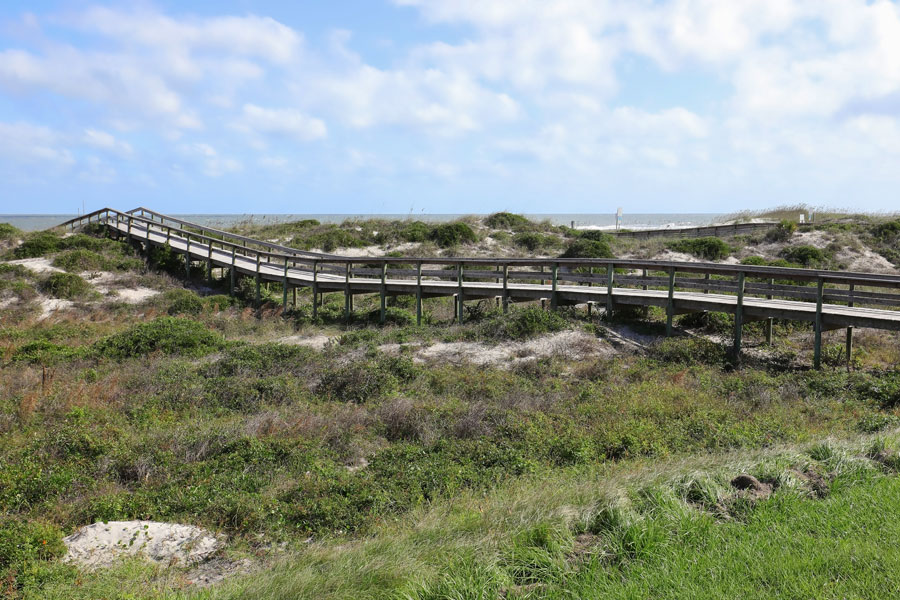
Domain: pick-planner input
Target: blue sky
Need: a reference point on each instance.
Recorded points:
(429, 106)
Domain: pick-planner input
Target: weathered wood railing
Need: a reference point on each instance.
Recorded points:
(749, 292)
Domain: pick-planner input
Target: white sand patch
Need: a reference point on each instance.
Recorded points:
(51, 305)
(38, 265)
(316, 342)
(6, 303)
(866, 261)
(676, 256)
(572, 345)
(133, 295)
(101, 544)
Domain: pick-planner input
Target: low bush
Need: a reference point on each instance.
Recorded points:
(38, 244)
(414, 231)
(708, 248)
(44, 353)
(782, 232)
(358, 381)
(507, 220)
(25, 548)
(447, 235)
(169, 335)
(534, 241)
(806, 255)
(887, 231)
(596, 235)
(8, 232)
(688, 351)
(523, 323)
(76, 261)
(587, 248)
(65, 285)
(182, 302)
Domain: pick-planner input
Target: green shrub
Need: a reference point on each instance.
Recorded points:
(782, 231)
(357, 381)
(78, 260)
(12, 271)
(523, 323)
(43, 352)
(884, 389)
(596, 235)
(169, 335)
(688, 351)
(755, 261)
(182, 302)
(507, 220)
(708, 248)
(168, 260)
(447, 235)
(534, 241)
(38, 244)
(587, 248)
(415, 231)
(24, 545)
(65, 285)
(329, 239)
(808, 256)
(218, 302)
(887, 231)
(8, 232)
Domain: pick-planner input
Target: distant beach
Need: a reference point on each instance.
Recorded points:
(581, 220)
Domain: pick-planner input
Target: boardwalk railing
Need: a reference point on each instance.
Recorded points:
(828, 299)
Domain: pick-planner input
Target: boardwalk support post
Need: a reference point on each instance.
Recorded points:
(231, 287)
(739, 318)
(850, 330)
(817, 348)
(770, 321)
(383, 289)
(459, 294)
(315, 290)
(554, 298)
(670, 304)
(187, 255)
(505, 289)
(284, 285)
(610, 273)
(347, 295)
(208, 260)
(419, 294)
(258, 297)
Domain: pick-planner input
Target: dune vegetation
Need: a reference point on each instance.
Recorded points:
(482, 460)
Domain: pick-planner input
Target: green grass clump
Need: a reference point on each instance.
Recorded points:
(507, 220)
(523, 323)
(65, 285)
(9, 232)
(782, 232)
(588, 248)
(169, 335)
(688, 351)
(182, 302)
(805, 255)
(447, 235)
(707, 248)
(26, 549)
(44, 352)
(79, 260)
(533, 241)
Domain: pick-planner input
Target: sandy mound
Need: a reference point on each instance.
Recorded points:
(101, 544)
(573, 345)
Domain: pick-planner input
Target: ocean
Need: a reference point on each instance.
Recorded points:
(582, 220)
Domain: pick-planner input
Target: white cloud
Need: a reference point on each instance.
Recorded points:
(24, 143)
(106, 141)
(281, 122)
(209, 160)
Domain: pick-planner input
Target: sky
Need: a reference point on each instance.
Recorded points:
(449, 106)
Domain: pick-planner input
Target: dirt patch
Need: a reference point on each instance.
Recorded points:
(814, 480)
(102, 544)
(51, 305)
(753, 487)
(216, 570)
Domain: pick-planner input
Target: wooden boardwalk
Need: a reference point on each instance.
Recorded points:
(828, 299)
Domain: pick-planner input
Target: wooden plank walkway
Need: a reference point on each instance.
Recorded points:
(829, 299)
